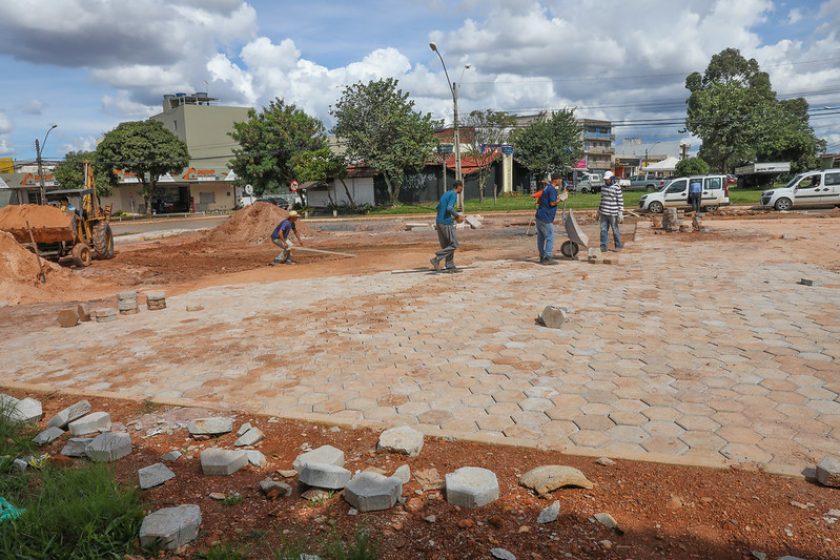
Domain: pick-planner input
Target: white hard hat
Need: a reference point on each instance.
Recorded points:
(293, 214)
(608, 175)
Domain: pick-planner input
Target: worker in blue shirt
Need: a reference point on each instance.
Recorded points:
(447, 216)
(280, 237)
(546, 212)
(695, 193)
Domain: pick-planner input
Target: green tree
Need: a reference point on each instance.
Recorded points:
(550, 143)
(321, 165)
(733, 109)
(383, 131)
(267, 142)
(70, 173)
(485, 128)
(145, 148)
(691, 166)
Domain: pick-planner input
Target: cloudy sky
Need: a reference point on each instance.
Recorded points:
(90, 64)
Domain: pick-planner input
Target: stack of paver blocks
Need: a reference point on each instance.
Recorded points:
(127, 302)
(105, 314)
(156, 301)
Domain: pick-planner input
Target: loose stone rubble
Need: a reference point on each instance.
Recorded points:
(222, 462)
(547, 478)
(75, 447)
(212, 426)
(828, 472)
(90, 424)
(325, 454)
(549, 514)
(108, 447)
(72, 412)
(154, 475)
(274, 489)
(324, 475)
(402, 439)
(170, 528)
(251, 437)
(48, 436)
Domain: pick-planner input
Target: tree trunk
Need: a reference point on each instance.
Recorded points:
(347, 191)
(393, 193)
(148, 190)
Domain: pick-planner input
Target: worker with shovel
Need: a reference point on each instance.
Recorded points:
(280, 237)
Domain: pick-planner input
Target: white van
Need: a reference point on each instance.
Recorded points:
(809, 189)
(675, 194)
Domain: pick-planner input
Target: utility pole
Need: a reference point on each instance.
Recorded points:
(458, 174)
(684, 149)
(43, 196)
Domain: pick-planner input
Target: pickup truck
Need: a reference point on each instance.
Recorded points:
(645, 182)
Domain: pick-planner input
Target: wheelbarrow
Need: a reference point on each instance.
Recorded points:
(577, 238)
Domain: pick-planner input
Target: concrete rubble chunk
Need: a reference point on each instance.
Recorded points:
(549, 514)
(471, 487)
(402, 439)
(325, 454)
(373, 492)
(324, 475)
(502, 554)
(171, 456)
(75, 447)
(828, 472)
(108, 447)
(256, 458)
(222, 462)
(48, 436)
(403, 473)
(549, 478)
(170, 528)
(213, 426)
(20, 464)
(553, 317)
(243, 428)
(605, 462)
(105, 314)
(24, 410)
(251, 437)
(274, 489)
(84, 313)
(195, 308)
(154, 475)
(90, 424)
(72, 412)
(608, 521)
(68, 318)
(155, 301)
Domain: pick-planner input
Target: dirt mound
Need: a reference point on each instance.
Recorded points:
(253, 225)
(19, 275)
(15, 218)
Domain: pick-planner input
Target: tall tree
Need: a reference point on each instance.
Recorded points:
(691, 166)
(550, 143)
(145, 148)
(488, 127)
(70, 173)
(268, 141)
(733, 109)
(383, 131)
(321, 165)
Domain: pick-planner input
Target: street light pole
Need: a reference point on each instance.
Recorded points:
(38, 151)
(453, 87)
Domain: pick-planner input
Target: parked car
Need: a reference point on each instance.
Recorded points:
(809, 189)
(283, 200)
(675, 194)
(645, 182)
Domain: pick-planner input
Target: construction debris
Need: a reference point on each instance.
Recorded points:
(670, 220)
(553, 317)
(156, 301)
(127, 302)
(105, 314)
(68, 318)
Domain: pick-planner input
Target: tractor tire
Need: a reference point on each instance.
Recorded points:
(81, 255)
(103, 241)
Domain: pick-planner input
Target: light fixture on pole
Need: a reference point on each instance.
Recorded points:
(453, 88)
(39, 148)
(646, 152)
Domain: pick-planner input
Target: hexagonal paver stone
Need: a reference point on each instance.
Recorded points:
(222, 462)
(90, 424)
(369, 491)
(154, 475)
(23, 410)
(324, 454)
(72, 412)
(324, 475)
(256, 458)
(549, 478)
(553, 317)
(251, 437)
(471, 487)
(402, 439)
(75, 447)
(212, 426)
(108, 447)
(828, 472)
(48, 436)
(170, 528)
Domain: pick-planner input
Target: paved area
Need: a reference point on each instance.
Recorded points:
(700, 351)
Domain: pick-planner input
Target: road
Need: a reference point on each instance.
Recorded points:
(163, 224)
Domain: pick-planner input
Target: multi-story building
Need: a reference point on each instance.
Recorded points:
(598, 144)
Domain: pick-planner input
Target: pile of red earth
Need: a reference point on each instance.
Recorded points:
(19, 270)
(18, 219)
(253, 225)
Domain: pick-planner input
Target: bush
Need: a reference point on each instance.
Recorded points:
(691, 166)
(73, 514)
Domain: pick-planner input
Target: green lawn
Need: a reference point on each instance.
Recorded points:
(578, 200)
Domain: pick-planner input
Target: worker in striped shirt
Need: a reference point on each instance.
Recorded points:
(611, 211)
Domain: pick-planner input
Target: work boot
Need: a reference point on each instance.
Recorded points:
(435, 263)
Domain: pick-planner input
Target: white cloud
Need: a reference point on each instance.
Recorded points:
(80, 144)
(5, 124)
(794, 16)
(122, 106)
(5, 129)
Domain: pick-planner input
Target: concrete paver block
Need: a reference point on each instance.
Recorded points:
(828, 472)
(251, 437)
(48, 436)
(72, 412)
(154, 475)
(170, 528)
(75, 447)
(90, 424)
(222, 462)
(108, 447)
(553, 317)
(403, 472)
(24, 410)
(212, 426)
(369, 491)
(324, 454)
(471, 487)
(548, 478)
(274, 489)
(105, 314)
(68, 318)
(324, 475)
(256, 458)
(402, 439)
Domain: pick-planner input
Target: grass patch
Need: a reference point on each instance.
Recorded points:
(74, 514)
(361, 547)
(15, 437)
(232, 500)
(148, 406)
(224, 551)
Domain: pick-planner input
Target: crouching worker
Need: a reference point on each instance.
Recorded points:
(281, 238)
